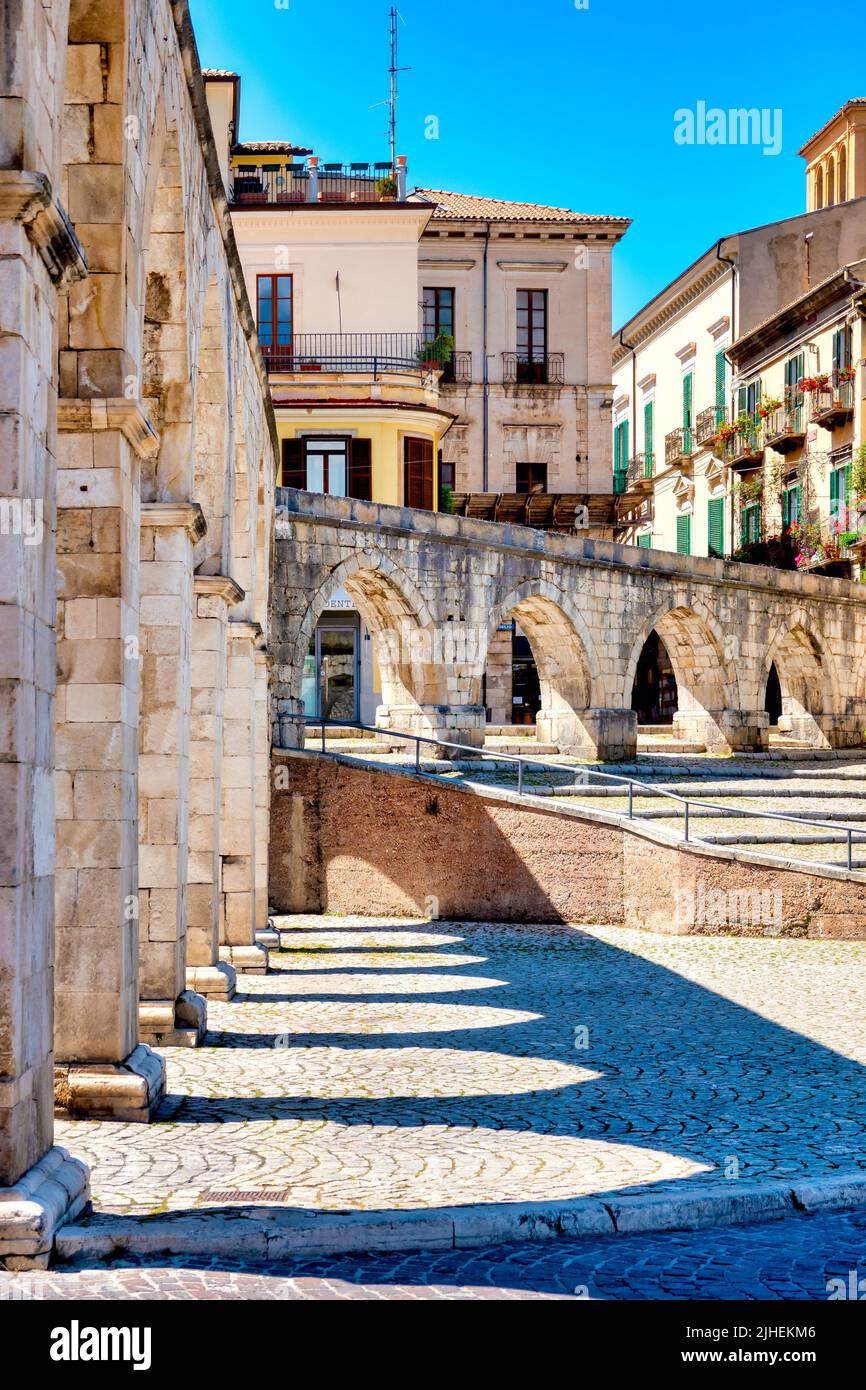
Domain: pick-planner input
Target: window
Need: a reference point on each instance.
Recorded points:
(531, 477)
(438, 307)
(418, 473)
(684, 534)
(532, 336)
(333, 465)
(721, 387)
(688, 411)
(839, 489)
(843, 348)
(819, 189)
(274, 314)
(716, 527)
(645, 541)
(750, 523)
(447, 475)
(794, 369)
(791, 505)
(748, 399)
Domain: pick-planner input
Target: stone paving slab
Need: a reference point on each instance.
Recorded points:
(389, 1068)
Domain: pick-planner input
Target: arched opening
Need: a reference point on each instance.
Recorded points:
(542, 672)
(819, 189)
(806, 686)
(843, 176)
(689, 654)
(655, 697)
(773, 697)
(831, 185)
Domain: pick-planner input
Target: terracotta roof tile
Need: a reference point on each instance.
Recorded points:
(854, 101)
(461, 207)
(218, 72)
(268, 147)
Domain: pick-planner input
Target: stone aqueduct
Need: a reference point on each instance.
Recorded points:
(137, 636)
(134, 408)
(433, 589)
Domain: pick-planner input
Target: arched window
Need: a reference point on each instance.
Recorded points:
(843, 176)
(819, 189)
(831, 182)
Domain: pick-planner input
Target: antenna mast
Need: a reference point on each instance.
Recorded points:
(394, 70)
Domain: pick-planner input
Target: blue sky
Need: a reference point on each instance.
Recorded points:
(546, 102)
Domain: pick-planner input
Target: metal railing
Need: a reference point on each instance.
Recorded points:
(286, 184)
(354, 352)
(744, 446)
(708, 423)
(836, 398)
(640, 469)
(530, 369)
(786, 423)
(631, 784)
(458, 370)
(679, 446)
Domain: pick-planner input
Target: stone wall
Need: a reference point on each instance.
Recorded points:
(135, 411)
(356, 840)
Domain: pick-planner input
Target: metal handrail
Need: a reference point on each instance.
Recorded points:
(688, 803)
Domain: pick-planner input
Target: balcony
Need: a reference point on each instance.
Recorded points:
(740, 445)
(785, 427)
(639, 474)
(458, 370)
(707, 425)
(833, 400)
(521, 369)
(267, 185)
(679, 448)
(371, 354)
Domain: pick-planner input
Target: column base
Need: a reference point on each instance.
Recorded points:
(268, 939)
(181, 1022)
(131, 1091)
(53, 1191)
(606, 735)
(213, 981)
(723, 731)
(246, 960)
(461, 724)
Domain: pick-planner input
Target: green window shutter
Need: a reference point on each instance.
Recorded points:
(742, 400)
(837, 349)
(625, 444)
(648, 436)
(645, 542)
(716, 526)
(721, 386)
(684, 535)
(688, 396)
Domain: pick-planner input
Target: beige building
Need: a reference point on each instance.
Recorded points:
(836, 158)
(676, 387)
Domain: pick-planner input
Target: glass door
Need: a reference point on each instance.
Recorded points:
(338, 673)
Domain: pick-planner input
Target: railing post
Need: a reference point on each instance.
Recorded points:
(323, 736)
(519, 776)
(417, 755)
(631, 800)
(850, 850)
(687, 823)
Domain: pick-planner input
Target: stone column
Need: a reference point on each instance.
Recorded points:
(41, 1186)
(461, 724)
(609, 735)
(101, 1068)
(206, 973)
(238, 808)
(737, 731)
(170, 1015)
(262, 739)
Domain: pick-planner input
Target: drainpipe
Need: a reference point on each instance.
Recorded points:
(632, 348)
(727, 260)
(485, 473)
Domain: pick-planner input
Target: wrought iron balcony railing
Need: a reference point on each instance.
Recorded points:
(833, 404)
(529, 369)
(679, 447)
(743, 448)
(280, 185)
(372, 353)
(457, 371)
(785, 427)
(708, 423)
(640, 470)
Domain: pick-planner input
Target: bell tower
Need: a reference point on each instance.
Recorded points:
(836, 159)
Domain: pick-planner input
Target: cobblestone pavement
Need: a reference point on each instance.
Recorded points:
(791, 1259)
(399, 1066)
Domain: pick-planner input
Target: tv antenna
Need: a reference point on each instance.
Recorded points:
(391, 103)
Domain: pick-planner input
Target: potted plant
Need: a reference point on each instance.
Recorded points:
(437, 352)
(810, 384)
(769, 405)
(387, 189)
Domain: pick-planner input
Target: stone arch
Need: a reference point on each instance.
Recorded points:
(809, 680)
(831, 189)
(564, 652)
(843, 175)
(401, 625)
(701, 658)
(819, 188)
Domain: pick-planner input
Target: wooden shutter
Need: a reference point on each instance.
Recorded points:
(721, 386)
(361, 469)
(716, 526)
(684, 535)
(418, 474)
(742, 400)
(688, 393)
(648, 436)
(838, 349)
(645, 542)
(294, 465)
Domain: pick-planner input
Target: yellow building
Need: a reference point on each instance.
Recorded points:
(836, 158)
